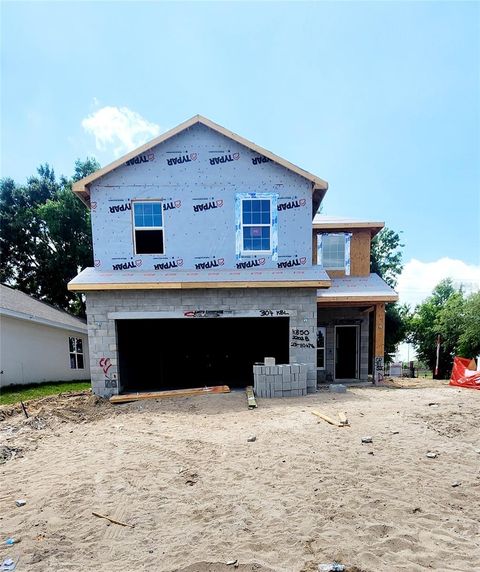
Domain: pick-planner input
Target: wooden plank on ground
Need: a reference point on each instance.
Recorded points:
(113, 520)
(191, 392)
(343, 418)
(252, 402)
(327, 418)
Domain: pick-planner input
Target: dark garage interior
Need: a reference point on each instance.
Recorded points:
(182, 353)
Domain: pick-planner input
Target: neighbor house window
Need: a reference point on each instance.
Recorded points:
(321, 347)
(256, 226)
(148, 227)
(76, 353)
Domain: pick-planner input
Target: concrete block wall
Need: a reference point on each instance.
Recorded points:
(299, 303)
(284, 380)
(331, 317)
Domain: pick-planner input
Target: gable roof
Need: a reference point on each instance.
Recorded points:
(81, 188)
(17, 304)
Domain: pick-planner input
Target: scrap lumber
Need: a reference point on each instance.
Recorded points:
(327, 418)
(125, 397)
(252, 402)
(343, 418)
(112, 520)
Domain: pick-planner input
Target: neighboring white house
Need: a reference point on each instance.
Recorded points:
(38, 342)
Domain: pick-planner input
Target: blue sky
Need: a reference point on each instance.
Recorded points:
(381, 99)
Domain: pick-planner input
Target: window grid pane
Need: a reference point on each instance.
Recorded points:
(256, 221)
(75, 346)
(148, 214)
(333, 252)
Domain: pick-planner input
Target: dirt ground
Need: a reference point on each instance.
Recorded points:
(199, 495)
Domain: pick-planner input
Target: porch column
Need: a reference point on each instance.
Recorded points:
(378, 343)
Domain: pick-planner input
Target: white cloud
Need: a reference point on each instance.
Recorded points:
(418, 279)
(119, 129)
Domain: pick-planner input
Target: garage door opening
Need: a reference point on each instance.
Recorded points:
(166, 354)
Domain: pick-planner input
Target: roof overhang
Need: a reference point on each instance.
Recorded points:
(319, 186)
(43, 321)
(374, 227)
(357, 290)
(92, 279)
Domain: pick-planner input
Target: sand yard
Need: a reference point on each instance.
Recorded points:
(199, 495)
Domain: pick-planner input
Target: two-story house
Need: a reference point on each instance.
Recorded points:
(204, 264)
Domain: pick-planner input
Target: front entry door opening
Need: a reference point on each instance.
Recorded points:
(346, 352)
(161, 354)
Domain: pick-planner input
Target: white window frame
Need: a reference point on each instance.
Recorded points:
(76, 353)
(324, 330)
(140, 228)
(342, 238)
(242, 226)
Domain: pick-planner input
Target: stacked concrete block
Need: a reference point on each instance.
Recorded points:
(287, 380)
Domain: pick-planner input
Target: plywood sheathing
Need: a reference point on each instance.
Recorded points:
(360, 253)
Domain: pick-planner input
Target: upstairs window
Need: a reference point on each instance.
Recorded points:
(75, 345)
(256, 226)
(148, 227)
(333, 251)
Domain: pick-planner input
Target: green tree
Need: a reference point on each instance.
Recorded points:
(469, 340)
(386, 261)
(386, 255)
(45, 235)
(448, 314)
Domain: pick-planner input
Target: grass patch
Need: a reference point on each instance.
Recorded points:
(17, 393)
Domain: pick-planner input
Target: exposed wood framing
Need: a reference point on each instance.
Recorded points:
(379, 330)
(368, 310)
(125, 397)
(196, 285)
(348, 226)
(360, 253)
(352, 300)
(252, 402)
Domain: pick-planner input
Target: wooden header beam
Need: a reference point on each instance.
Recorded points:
(197, 285)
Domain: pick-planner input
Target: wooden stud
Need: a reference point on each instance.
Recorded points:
(125, 397)
(326, 418)
(252, 402)
(112, 520)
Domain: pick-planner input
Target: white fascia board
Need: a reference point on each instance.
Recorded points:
(43, 321)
